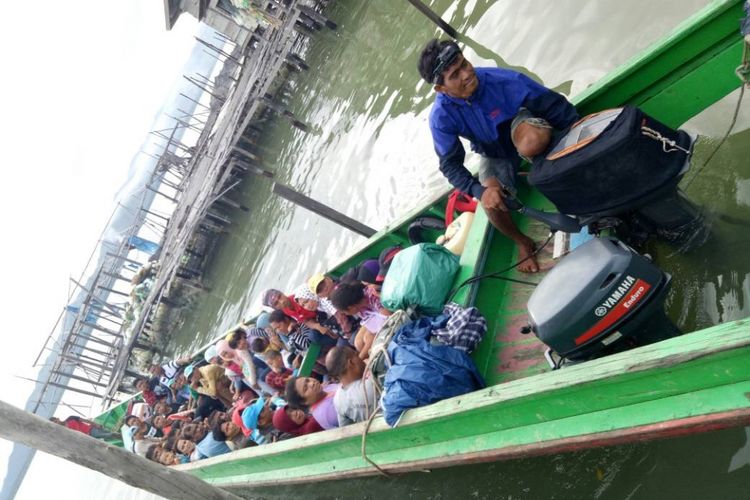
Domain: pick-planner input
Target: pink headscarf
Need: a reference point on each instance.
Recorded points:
(241, 357)
(226, 353)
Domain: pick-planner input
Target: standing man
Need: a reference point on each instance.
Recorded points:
(479, 105)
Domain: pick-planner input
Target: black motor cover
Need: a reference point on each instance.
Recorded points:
(594, 296)
(607, 163)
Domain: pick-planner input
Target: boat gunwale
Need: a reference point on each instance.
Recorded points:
(639, 362)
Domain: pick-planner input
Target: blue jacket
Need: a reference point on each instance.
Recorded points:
(485, 118)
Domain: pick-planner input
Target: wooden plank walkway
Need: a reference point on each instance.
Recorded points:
(210, 167)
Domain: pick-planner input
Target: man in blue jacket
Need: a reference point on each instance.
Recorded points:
(479, 105)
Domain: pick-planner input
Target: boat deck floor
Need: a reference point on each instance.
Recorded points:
(513, 354)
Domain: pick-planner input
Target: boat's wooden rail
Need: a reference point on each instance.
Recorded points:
(698, 381)
(671, 79)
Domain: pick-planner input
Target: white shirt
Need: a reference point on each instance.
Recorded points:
(350, 404)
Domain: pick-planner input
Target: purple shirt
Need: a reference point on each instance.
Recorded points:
(372, 318)
(324, 412)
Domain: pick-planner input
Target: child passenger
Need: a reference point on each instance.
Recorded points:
(279, 374)
(359, 300)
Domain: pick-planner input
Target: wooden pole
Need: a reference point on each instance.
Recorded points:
(117, 276)
(96, 326)
(35, 432)
(174, 200)
(91, 338)
(204, 89)
(67, 388)
(88, 366)
(155, 214)
(82, 379)
(193, 100)
(112, 290)
(323, 210)
(217, 49)
(121, 257)
(432, 16)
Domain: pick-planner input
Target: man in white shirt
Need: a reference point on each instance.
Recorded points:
(355, 400)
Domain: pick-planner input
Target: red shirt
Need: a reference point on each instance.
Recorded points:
(299, 313)
(77, 425)
(278, 380)
(149, 397)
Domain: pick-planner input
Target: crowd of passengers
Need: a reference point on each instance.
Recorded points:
(247, 392)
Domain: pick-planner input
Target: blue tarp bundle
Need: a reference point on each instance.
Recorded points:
(423, 373)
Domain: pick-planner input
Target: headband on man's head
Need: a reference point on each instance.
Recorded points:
(446, 57)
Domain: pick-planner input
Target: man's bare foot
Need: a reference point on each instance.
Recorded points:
(526, 254)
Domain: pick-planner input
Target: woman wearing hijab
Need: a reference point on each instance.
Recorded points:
(243, 359)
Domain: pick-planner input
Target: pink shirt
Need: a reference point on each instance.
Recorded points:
(324, 412)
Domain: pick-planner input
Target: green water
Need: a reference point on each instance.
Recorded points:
(369, 154)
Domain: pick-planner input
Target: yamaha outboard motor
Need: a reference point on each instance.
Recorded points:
(600, 299)
(620, 168)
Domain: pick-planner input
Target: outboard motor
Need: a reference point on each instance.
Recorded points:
(619, 169)
(600, 299)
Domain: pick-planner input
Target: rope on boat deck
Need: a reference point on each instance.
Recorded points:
(742, 71)
(368, 369)
(364, 445)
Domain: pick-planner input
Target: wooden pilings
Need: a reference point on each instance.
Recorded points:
(323, 210)
(432, 16)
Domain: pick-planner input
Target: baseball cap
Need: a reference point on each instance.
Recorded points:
(315, 281)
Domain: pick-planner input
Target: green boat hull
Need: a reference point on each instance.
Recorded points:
(693, 383)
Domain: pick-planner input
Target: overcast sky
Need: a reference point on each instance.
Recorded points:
(81, 84)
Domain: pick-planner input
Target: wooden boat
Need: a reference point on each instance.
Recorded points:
(694, 383)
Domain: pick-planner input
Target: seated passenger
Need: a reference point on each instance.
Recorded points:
(158, 422)
(186, 448)
(288, 326)
(276, 300)
(367, 271)
(260, 348)
(358, 300)
(242, 358)
(258, 418)
(211, 355)
(355, 400)
(240, 342)
(86, 426)
(156, 453)
(307, 392)
(327, 320)
(279, 374)
(230, 433)
(295, 421)
(169, 371)
(295, 337)
(194, 431)
(213, 443)
(322, 285)
(211, 381)
(146, 386)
